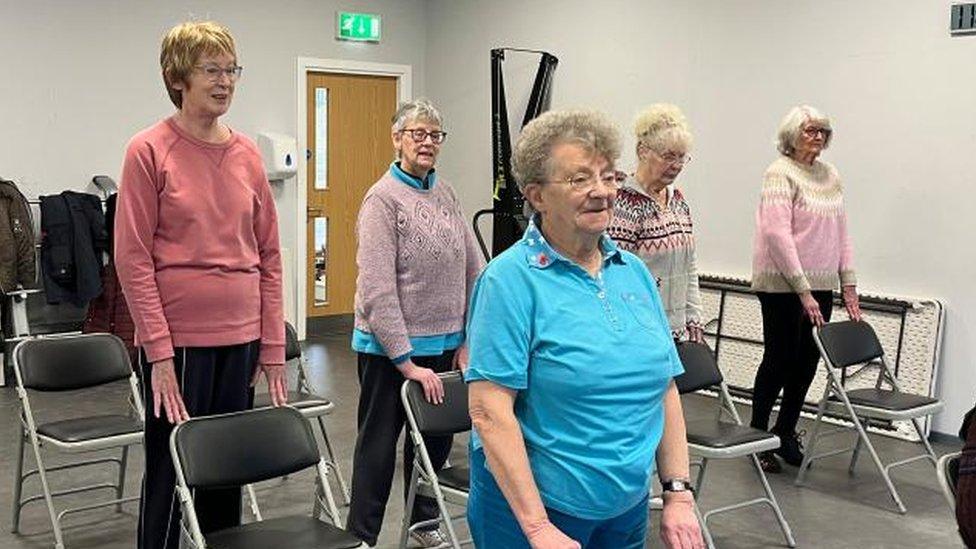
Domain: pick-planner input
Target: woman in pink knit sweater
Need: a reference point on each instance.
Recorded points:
(801, 253)
(196, 245)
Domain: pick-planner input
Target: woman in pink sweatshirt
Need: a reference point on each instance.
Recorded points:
(801, 253)
(198, 257)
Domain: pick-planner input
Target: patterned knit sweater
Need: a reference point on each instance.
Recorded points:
(417, 260)
(801, 241)
(663, 238)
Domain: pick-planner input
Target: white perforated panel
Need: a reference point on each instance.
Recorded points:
(917, 362)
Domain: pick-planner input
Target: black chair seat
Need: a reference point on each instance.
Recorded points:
(296, 399)
(455, 477)
(887, 400)
(287, 532)
(90, 428)
(714, 434)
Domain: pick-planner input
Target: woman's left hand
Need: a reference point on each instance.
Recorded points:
(679, 525)
(460, 360)
(696, 333)
(852, 302)
(277, 379)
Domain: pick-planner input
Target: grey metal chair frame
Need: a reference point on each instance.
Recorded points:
(424, 478)
(303, 389)
(861, 415)
(749, 449)
(945, 481)
(190, 523)
(29, 431)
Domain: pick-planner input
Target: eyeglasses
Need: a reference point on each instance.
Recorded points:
(674, 159)
(812, 132)
(586, 182)
(419, 135)
(214, 72)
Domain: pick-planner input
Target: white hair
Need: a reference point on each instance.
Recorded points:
(792, 125)
(418, 109)
(662, 127)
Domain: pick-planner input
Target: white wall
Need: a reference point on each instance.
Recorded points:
(78, 79)
(898, 88)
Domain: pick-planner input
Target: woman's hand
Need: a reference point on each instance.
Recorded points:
(460, 360)
(166, 391)
(696, 333)
(277, 380)
(545, 535)
(852, 302)
(679, 525)
(812, 309)
(433, 387)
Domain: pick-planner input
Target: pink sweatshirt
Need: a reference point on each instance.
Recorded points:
(801, 241)
(196, 244)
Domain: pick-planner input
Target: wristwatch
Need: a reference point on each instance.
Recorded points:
(677, 485)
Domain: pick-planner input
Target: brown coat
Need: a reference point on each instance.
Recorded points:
(17, 259)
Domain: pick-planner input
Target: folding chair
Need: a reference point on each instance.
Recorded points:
(846, 344)
(311, 406)
(450, 484)
(73, 363)
(948, 473)
(246, 447)
(717, 439)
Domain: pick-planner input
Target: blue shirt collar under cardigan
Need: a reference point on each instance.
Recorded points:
(402, 176)
(540, 254)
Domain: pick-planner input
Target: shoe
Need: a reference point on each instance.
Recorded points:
(429, 538)
(769, 462)
(791, 448)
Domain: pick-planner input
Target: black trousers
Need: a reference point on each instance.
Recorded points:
(381, 418)
(213, 380)
(789, 361)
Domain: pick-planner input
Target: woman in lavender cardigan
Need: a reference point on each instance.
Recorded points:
(802, 252)
(417, 261)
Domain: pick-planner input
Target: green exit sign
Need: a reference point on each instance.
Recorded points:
(362, 27)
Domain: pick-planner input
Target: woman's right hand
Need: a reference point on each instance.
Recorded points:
(433, 386)
(547, 536)
(166, 390)
(811, 309)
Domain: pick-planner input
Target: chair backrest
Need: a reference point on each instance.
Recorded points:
(849, 343)
(446, 418)
(244, 447)
(701, 369)
(293, 349)
(71, 362)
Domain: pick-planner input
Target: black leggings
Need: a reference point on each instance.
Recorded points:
(789, 360)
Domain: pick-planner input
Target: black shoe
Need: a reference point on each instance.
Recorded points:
(791, 448)
(769, 462)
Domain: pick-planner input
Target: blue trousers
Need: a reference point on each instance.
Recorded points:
(493, 524)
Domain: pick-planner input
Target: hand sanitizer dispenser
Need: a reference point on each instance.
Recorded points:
(280, 155)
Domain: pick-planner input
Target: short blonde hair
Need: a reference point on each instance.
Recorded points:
(592, 130)
(792, 124)
(662, 127)
(183, 46)
(419, 109)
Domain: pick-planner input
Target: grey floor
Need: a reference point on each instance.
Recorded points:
(832, 510)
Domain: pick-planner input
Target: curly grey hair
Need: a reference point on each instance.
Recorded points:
(417, 109)
(592, 130)
(792, 125)
(661, 127)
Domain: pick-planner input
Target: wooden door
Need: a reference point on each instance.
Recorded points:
(349, 149)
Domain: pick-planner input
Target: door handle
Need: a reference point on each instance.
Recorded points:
(315, 212)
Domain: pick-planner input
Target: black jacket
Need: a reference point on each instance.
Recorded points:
(73, 238)
(17, 261)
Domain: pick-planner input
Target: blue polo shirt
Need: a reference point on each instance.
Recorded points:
(591, 358)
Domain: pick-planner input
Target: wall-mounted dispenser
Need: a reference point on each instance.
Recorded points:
(280, 154)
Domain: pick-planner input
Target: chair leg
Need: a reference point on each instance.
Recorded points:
(48, 499)
(700, 479)
(253, 499)
(120, 490)
(783, 525)
(706, 533)
(18, 480)
(925, 441)
(343, 489)
(877, 460)
(408, 507)
(856, 453)
(808, 455)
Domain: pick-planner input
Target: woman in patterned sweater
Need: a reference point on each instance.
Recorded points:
(801, 253)
(652, 219)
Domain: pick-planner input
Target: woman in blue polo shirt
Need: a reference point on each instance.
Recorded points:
(571, 365)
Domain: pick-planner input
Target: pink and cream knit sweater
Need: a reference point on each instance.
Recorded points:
(801, 241)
